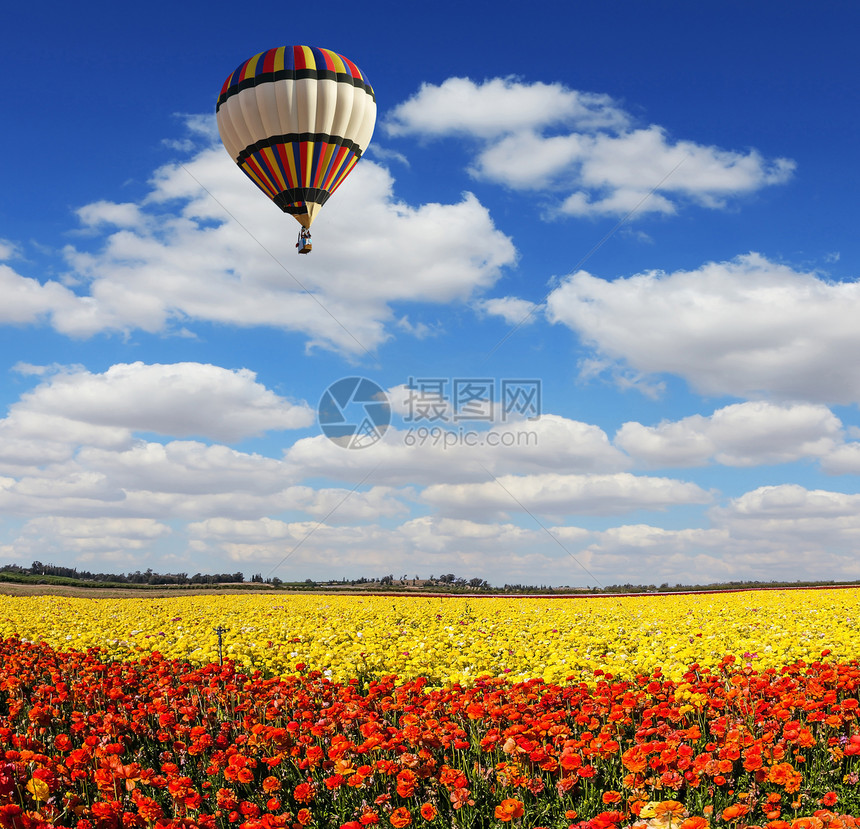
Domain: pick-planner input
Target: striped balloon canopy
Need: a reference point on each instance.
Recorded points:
(296, 119)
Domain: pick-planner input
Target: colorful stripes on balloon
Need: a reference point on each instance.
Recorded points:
(296, 119)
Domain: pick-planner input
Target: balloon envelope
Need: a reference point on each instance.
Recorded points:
(296, 119)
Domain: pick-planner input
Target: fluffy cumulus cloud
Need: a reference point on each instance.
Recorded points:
(27, 301)
(584, 147)
(547, 501)
(205, 245)
(71, 448)
(178, 399)
(813, 531)
(748, 328)
(425, 456)
(743, 434)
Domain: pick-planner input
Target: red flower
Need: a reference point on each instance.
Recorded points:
(303, 793)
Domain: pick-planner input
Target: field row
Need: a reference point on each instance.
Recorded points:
(96, 744)
(454, 639)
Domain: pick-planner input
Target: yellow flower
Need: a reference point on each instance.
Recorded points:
(37, 788)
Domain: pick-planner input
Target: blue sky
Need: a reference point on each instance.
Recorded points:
(647, 211)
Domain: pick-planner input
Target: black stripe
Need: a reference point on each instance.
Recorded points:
(287, 199)
(294, 75)
(291, 137)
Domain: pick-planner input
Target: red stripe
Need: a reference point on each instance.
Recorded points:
(303, 162)
(285, 161)
(356, 72)
(329, 63)
(299, 57)
(320, 169)
(269, 60)
(245, 67)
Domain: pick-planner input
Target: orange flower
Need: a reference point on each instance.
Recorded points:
(428, 811)
(304, 817)
(509, 809)
(634, 759)
(669, 813)
(735, 812)
(695, 823)
(807, 823)
(400, 817)
(611, 797)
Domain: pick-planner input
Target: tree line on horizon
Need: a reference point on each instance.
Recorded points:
(447, 582)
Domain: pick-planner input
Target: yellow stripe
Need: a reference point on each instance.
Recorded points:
(279, 58)
(251, 68)
(276, 170)
(291, 163)
(307, 171)
(309, 57)
(339, 65)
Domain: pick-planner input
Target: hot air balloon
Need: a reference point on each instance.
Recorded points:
(296, 119)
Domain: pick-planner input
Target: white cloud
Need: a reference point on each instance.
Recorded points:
(810, 533)
(746, 328)
(541, 137)
(100, 544)
(843, 460)
(187, 467)
(110, 213)
(425, 545)
(27, 301)
(512, 310)
(743, 434)
(179, 399)
(425, 455)
(8, 250)
(204, 244)
(499, 106)
(561, 495)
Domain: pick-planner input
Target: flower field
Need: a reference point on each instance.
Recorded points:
(732, 710)
(454, 639)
